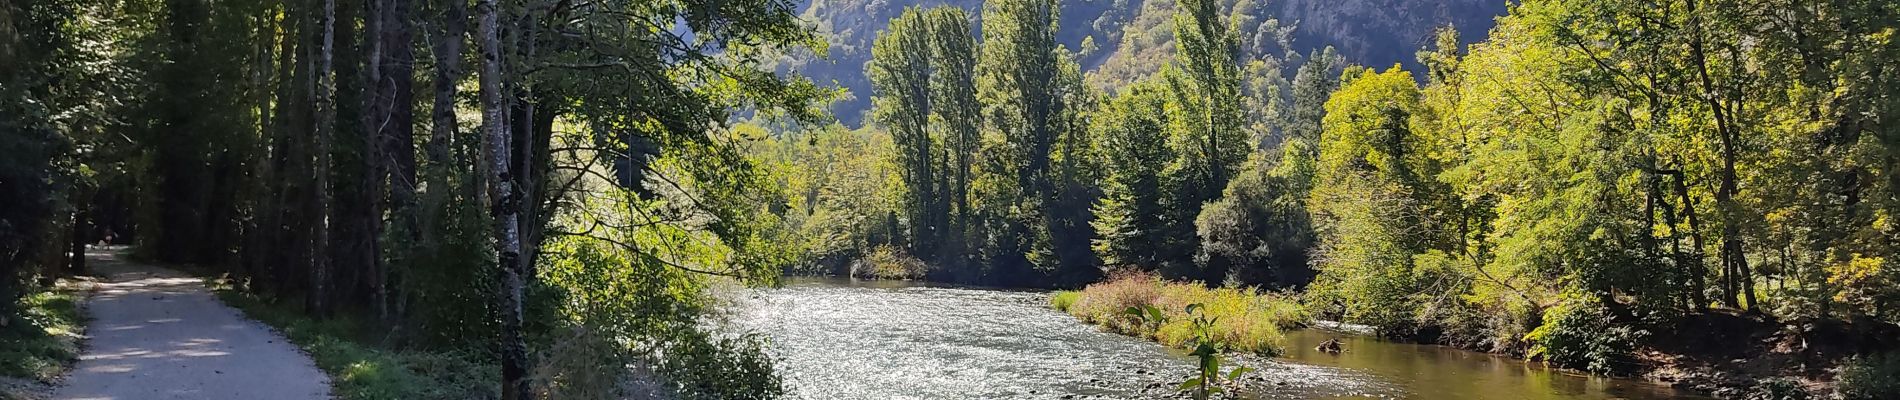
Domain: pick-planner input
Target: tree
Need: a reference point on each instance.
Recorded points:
(1204, 83)
(496, 138)
(1371, 197)
(1258, 233)
(1312, 84)
(1031, 90)
(921, 69)
(1132, 139)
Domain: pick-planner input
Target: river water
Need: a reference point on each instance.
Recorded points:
(838, 339)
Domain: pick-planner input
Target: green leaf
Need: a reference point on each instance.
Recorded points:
(1235, 374)
(1189, 384)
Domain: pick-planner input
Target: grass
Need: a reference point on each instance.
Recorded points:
(1246, 319)
(44, 339)
(360, 369)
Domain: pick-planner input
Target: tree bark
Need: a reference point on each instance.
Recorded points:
(400, 138)
(505, 205)
(322, 93)
(1698, 269)
(1734, 261)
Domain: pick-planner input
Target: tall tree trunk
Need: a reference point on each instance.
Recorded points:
(401, 134)
(451, 35)
(1734, 262)
(514, 363)
(324, 126)
(377, 98)
(1698, 269)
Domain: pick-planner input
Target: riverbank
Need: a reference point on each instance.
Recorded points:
(1245, 320)
(1735, 355)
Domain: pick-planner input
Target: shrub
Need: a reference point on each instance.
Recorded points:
(1244, 319)
(1063, 300)
(1870, 377)
(888, 262)
(1781, 388)
(720, 368)
(1579, 334)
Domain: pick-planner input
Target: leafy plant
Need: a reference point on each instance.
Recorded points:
(1207, 351)
(1580, 334)
(1871, 377)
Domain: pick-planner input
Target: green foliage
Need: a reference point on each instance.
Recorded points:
(644, 286)
(887, 262)
(1371, 198)
(346, 349)
(1062, 300)
(449, 272)
(1870, 377)
(922, 71)
(1778, 389)
(713, 368)
(842, 186)
(1206, 350)
(44, 338)
(1042, 178)
(1258, 233)
(1131, 137)
(1581, 334)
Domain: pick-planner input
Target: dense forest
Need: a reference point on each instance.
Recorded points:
(1119, 41)
(534, 194)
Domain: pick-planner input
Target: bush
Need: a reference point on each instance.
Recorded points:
(720, 368)
(1870, 377)
(1244, 319)
(1063, 300)
(888, 262)
(1579, 334)
(1781, 388)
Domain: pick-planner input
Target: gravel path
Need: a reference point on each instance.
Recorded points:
(160, 334)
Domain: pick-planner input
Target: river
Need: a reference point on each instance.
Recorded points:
(839, 339)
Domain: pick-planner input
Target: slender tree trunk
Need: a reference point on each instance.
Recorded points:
(401, 136)
(323, 93)
(81, 232)
(378, 98)
(1698, 269)
(452, 33)
(1734, 262)
(514, 363)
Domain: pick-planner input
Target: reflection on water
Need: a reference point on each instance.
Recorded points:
(1439, 372)
(836, 339)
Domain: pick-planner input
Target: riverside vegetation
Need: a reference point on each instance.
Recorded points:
(1697, 191)
(1244, 320)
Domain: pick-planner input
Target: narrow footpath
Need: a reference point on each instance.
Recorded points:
(156, 333)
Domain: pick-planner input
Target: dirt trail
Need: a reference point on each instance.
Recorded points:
(160, 334)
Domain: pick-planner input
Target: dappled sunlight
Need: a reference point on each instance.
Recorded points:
(159, 334)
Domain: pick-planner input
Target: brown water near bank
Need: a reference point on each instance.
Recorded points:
(1439, 372)
(839, 339)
